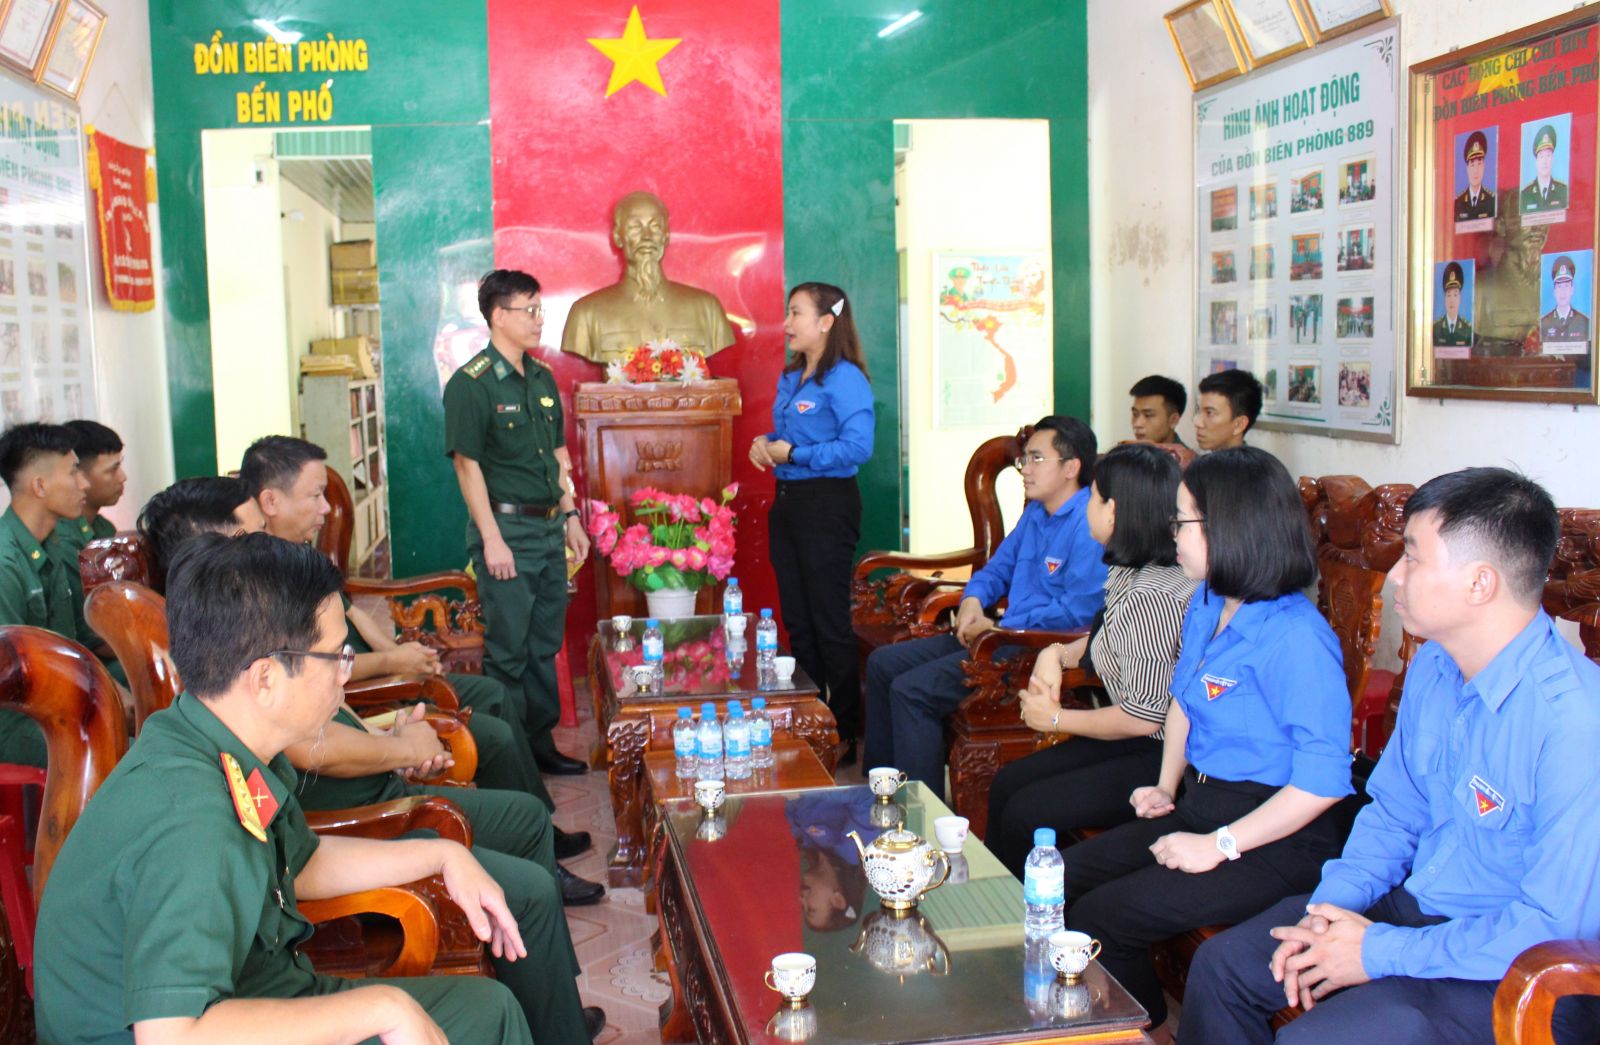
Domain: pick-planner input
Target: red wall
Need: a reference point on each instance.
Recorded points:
(564, 153)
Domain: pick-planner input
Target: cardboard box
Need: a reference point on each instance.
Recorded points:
(358, 350)
(355, 286)
(353, 254)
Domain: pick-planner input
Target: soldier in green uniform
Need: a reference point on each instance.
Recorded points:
(1475, 201)
(1544, 192)
(39, 467)
(504, 429)
(99, 451)
(1563, 324)
(173, 907)
(1450, 330)
(204, 504)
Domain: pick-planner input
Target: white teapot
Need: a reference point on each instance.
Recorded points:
(899, 866)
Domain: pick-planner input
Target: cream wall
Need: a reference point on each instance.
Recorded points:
(965, 185)
(305, 279)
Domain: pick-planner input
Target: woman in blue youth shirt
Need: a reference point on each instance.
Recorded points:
(1258, 734)
(822, 427)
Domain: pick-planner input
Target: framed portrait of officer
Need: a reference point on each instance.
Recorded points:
(1476, 155)
(1452, 307)
(1546, 170)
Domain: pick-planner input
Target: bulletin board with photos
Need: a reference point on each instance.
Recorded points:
(1296, 171)
(46, 334)
(1503, 216)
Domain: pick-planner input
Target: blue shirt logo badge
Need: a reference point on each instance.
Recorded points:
(1216, 686)
(1052, 564)
(804, 405)
(1487, 797)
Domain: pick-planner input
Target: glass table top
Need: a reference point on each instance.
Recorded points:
(696, 661)
(779, 872)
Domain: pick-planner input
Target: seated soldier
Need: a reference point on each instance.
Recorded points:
(40, 469)
(1230, 402)
(1158, 404)
(172, 910)
(350, 764)
(1479, 840)
(287, 478)
(1050, 569)
(99, 451)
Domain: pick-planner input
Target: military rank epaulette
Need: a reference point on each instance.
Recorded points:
(251, 799)
(536, 361)
(476, 367)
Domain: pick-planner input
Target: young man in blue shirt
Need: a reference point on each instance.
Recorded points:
(1478, 842)
(1049, 569)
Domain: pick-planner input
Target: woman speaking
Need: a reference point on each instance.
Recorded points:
(822, 430)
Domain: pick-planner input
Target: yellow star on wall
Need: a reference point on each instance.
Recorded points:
(634, 56)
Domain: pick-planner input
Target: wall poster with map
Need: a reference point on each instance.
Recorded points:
(991, 339)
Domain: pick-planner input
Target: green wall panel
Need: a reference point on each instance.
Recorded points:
(843, 87)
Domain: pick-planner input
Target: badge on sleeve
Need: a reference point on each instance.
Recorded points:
(252, 799)
(546, 402)
(804, 406)
(1052, 564)
(1487, 798)
(1216, 685)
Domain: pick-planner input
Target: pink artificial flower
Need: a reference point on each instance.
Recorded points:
(695, 557)
(606, 540)
(656, 555)
(719, 565)
(679, 558)
(729, 492)
(708, 507)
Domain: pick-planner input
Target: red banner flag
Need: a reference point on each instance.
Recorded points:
(123, 188)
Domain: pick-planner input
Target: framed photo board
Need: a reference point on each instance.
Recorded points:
(1330, 18)
(1204, 38)
(25, 28)
(72, 47)
(1503, 216)
(1267, 30)
(1297, 176)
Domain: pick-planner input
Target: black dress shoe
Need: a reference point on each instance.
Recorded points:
(578, 892)
(570, 843)
(560, 765)
(594, 1020)
(849, 756)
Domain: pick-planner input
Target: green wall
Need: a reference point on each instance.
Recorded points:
(425, 94)
(843, 88)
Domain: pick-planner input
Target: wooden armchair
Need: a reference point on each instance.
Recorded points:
(1541, 976)
(1573, 590)
(421, 610)
(133, 621)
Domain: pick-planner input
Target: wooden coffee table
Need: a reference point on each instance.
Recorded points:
(632, 723)
(776, 872)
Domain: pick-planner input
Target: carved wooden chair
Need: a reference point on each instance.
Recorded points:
(1541, 976)
(1573, 590)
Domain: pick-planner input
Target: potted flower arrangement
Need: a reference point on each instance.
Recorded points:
(676, 545)
(656, 361)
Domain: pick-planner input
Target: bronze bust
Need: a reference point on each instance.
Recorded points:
(644, 305)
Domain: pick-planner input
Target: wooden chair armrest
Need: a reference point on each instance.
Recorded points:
(995, 638)
(937, 603)
(453, 734)
(887, 560)
(398, 689)
(393, 819)
(1541, 975)
(419, 922)
(443, 580)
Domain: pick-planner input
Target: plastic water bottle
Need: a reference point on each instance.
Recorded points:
(732, 600)
(766, 651)
(708, 749)
(684, 742)
(654, 650)
(737, 742)
(737, 648)
(1044, 886)
(760, 733)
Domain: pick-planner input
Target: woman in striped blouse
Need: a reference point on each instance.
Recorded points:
(1132, 646)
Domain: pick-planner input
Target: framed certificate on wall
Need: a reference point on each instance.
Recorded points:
(25, 27)
(1328, 18)
(1204, 38)
(1267, 29)
(72, 47)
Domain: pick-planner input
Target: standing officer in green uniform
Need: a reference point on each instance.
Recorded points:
(1563, 324)
(172, 912)
(504, 428)
(1475, 201)
(1450, 330)
(1544, 192)
(39, 467)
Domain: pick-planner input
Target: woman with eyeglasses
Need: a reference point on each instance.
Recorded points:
(1256, 751)
(822, 430)
(1132, 647)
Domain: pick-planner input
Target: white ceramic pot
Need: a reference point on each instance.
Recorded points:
(670, 603)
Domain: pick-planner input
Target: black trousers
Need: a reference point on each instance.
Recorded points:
(812, 532)
(1230, 994)
(1117, 893)
(1080, 782)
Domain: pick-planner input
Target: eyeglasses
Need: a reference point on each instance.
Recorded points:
(536, 311)
(346, 657)
(1027, 459)
(1178, 524)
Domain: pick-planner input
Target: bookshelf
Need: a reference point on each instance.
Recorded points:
(344, 416)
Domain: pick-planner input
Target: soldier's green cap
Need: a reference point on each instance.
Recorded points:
(1477, 146)
(1453, 276)
(1545, 139)
(1563, 270)
(961, 272)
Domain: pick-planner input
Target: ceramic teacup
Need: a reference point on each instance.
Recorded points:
(1071, 952)
(885, 781)
(710, 794)
(784, 668)
(951, 831)
(792, 975)
(793, 1022)
(621, 623)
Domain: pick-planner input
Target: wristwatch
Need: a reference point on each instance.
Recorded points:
(571, 513)
(1227, 845)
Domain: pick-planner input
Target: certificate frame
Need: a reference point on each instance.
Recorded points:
(1324, 23)
(1212, 20)
(73, 43)
(1288, 9)
(43, 14)
(1506, 267)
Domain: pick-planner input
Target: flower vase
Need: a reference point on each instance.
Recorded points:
(670, 603)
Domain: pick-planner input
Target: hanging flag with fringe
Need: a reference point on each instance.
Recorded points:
(124, 186)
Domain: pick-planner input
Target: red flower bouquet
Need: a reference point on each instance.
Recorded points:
(675, 541)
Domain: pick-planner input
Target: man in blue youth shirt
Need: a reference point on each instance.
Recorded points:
(1478, 842)
(1049, 569)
